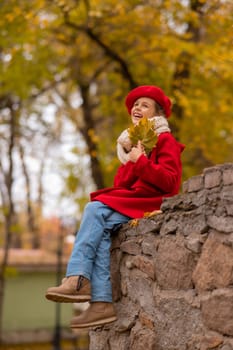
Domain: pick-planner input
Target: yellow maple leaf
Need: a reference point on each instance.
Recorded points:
(144, 132)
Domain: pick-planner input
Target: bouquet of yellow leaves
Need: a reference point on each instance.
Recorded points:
(144, 131)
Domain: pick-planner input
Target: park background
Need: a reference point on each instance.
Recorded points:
(65, 69)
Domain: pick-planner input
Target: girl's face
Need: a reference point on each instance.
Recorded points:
(143, 107)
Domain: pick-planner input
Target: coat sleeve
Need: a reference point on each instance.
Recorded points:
(165, 172)
(125, 175)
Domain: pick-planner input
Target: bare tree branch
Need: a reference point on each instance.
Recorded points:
(107, 49)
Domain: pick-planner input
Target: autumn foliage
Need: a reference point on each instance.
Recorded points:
(82, 57)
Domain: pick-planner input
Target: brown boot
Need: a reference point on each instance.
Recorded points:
(98, 314)
(73, 289)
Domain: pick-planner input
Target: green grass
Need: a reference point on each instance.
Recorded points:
(25, 306)
(27, 310)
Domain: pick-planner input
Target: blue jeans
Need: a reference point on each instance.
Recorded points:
(91, 252)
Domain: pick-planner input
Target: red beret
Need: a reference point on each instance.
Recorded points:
(150, 91)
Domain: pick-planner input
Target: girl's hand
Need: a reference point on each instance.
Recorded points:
(136, 152)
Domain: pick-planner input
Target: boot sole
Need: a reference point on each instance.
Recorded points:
(95, 323)
(62, 298)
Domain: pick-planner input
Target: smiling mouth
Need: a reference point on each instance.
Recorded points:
(139, 116)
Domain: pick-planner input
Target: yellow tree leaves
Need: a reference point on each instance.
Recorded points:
(109, 46)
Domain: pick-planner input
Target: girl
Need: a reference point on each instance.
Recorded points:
(140, 184)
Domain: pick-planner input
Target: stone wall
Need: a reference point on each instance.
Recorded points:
(173, 273)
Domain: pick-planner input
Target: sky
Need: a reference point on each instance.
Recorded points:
(59, 154)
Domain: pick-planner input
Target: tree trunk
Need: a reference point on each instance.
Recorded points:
(96, 171)
(10, 213)
(31, 222)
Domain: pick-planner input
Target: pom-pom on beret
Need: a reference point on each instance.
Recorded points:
(150, 91)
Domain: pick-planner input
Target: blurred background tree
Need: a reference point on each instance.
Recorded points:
(66, 66)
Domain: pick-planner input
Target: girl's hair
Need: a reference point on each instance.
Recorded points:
(159, 109)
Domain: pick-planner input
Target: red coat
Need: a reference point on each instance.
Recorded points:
(140, 187)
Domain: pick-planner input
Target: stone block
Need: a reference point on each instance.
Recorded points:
(127, 315)
(211, 340)
(145, 265)
(212, 178)
(215, 266)
(185, 187)
(171, 203)
(227, 347)
(217, 311)
(130, 229)
(174, 265)
(98, 340)
(229, 209)
(221, 223)
(142, 337)
(227, 193)
(150, 244)
(193, 244)
(198, 199)
(117, 341)
(149, 225)
(146, 320)
(176, 322)
(130, 247)
(195, 183)
(192, 223)
(116, 256)
(140, 290)
(169, 226)
(228, 176)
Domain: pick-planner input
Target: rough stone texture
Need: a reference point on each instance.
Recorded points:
(212, 178)
(174, 264)
(215, 266)
(194, 184)
(141, 337)
(217, 311)
(172, 274)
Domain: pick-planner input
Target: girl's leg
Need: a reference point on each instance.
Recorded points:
(101, 309)
(87, 240)
(90, 258)
(101, 277)
(93, 235)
